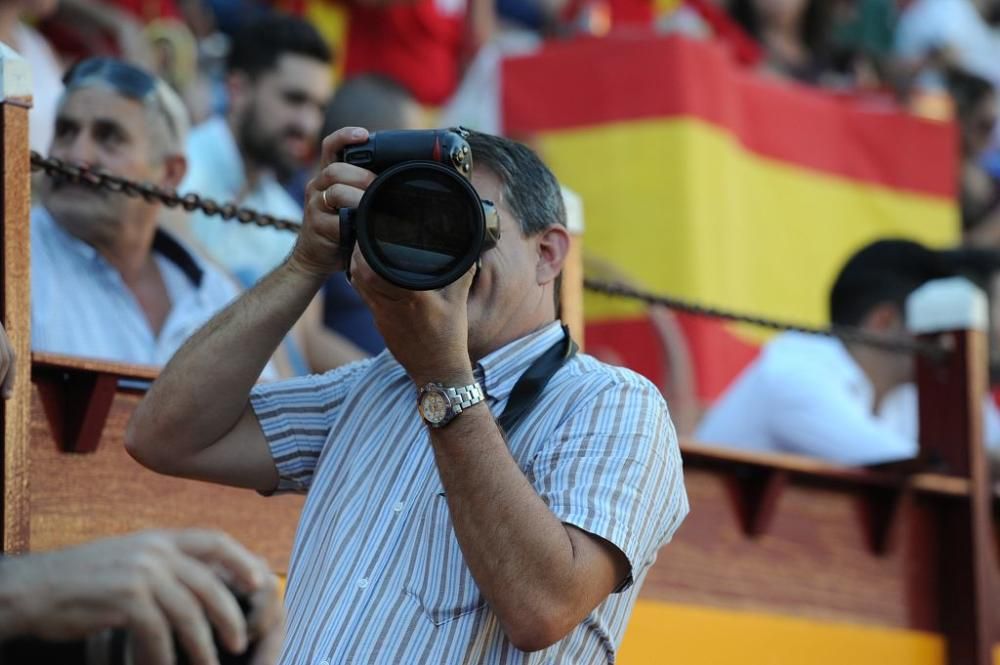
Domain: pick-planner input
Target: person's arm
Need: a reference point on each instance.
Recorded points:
(197, 421)
(540, 575)
(155, 585)
(324, 349)
(545, 556)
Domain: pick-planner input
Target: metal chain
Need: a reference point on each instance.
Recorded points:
(846, 333)
(57, 168)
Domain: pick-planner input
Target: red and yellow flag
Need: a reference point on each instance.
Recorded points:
(709, 182)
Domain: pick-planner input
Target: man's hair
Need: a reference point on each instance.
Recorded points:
(372, 101)
(528, 188)
(967, 90)
(167, 119)
(886, 271)
(260, 43)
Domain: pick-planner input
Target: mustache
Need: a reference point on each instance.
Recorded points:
(60, 182)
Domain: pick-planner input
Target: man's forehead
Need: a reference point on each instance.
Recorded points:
(295, 68)
(101, 101)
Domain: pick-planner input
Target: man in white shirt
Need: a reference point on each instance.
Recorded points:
(279, 80)
(952, 28)
(843, 402)
(106, 281)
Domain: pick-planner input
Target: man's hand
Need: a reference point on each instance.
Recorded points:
(338, 185)
(426, 331)
(154, 584)
(6, 365)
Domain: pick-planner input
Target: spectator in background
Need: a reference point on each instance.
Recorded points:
(376, 103)
(419, 43)
(279, 81)
(105, 281)
(976, 110)
(794, 35)
(934, 34)
(826, 398)
(46, 72)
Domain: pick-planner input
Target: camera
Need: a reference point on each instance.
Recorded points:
(420, 224)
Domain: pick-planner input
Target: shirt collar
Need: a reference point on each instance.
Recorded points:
(498, 371)
(163, 244)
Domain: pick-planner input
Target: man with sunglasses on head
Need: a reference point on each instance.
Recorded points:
(106, 281)
(477, 493)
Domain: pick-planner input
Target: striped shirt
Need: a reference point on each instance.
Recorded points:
(376, 573)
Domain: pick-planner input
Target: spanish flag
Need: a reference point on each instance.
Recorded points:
(710, 182)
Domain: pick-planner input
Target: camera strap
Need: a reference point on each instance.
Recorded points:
(529, 387)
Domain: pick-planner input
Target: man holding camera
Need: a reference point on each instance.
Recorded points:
(437, 529)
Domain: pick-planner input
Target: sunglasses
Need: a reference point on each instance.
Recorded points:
(125, 79)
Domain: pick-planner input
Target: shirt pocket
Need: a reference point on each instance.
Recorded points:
(438, 578)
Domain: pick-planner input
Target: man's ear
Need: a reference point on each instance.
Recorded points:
(174, 168)
(553, 246)
(885, 318)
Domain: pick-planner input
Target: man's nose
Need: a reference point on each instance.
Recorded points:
(82, 150)
(308, 121)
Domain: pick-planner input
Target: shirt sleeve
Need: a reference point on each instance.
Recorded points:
(613, 469)
(296, 417)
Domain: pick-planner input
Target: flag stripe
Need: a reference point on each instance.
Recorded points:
(589, 82)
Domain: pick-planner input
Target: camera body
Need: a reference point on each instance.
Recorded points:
(385, 149)
(420, 224)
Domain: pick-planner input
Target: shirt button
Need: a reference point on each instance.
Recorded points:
(324, 662)
(398, 507)
(363, 583)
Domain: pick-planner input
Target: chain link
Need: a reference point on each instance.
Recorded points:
(56, 168)
(845, 333)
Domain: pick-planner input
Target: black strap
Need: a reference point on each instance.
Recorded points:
(529, 387)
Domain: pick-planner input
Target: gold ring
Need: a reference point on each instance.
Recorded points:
(327, 203)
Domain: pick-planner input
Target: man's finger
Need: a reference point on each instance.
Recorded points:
(187, 621)
(215, 547)
(149, 632)
(336, 142)
(337, 196)
(216, 601)
(346, 174)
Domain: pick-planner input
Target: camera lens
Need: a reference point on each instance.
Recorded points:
(423, 227)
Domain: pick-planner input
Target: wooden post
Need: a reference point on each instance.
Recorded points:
(953, 314)
(15, 196)
(571, 295)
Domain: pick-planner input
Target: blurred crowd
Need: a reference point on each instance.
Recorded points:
(247, 89)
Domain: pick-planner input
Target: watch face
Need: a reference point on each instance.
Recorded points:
(434, 407)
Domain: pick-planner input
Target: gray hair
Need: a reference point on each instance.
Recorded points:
(529, 189)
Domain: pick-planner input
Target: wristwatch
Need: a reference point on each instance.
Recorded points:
(439, 404)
